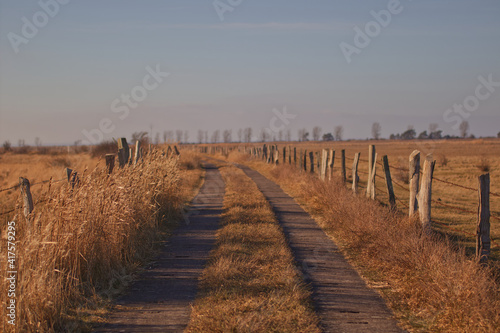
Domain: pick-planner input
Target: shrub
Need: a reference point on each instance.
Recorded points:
(105, 147)
(7, 146)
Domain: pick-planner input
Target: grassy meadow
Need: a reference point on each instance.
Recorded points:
(457, 161)
(429, 283)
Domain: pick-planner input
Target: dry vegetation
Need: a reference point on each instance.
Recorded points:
(81, 247)
(250, 283)
(429, 283)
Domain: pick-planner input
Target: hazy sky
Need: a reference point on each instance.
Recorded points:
(73, 72)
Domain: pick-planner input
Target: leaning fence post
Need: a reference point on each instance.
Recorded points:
(344, 176)
(176, 151)
(388, 182)
(371, 180)
(24, 184)
(72, 177)
(370, 187)
(425, 194)
(355, 177)
(110, 162)
(483, 242)
(414, 181)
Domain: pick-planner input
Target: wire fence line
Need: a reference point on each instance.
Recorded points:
(343, 158)
(34, 184)
(31, 185)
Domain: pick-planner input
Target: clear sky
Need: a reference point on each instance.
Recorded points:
(64, 79)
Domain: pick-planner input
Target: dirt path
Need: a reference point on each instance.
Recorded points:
(160, 300)
(342, 299)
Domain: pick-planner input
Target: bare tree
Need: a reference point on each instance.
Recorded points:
(227, 136)
(38, 142)
(303, 134)
(280, 135)
(376, 130)
(215, 136)
(316, 133)
(170, 136)
(206, 136)
(165, 136)
(433, 127)
(464, 129)
(157, 138)
(178, 134)
(200, 136)
(142, 137)
(339, 132)
(7, 146)
(248, 134)
(288, 136)
(264, 135)
(186, 136)
(240, 134)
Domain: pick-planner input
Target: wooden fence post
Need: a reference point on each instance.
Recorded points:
(483, 242)
(305, 160)
(176, 151)
(344, 176)
(290, 155)
(137, 152)
(311, 159)
(72, 177)
(414, 181)
(331, 163)
(372, 158)
(355, 177)
(295, 156)
(371, 181)
(388, 182)
(276, 156)
(123, 152)
(425, 194)
(284, 155)
(24, 184)
(324, 163)
(110, 162)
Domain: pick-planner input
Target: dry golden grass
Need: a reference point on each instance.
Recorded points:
(83, 245)
(250, 283)
(459, 162)
(428, 282)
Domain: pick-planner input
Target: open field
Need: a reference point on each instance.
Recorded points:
(89, 243)
(458, 161)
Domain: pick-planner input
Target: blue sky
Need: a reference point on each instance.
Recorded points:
(231, 74)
